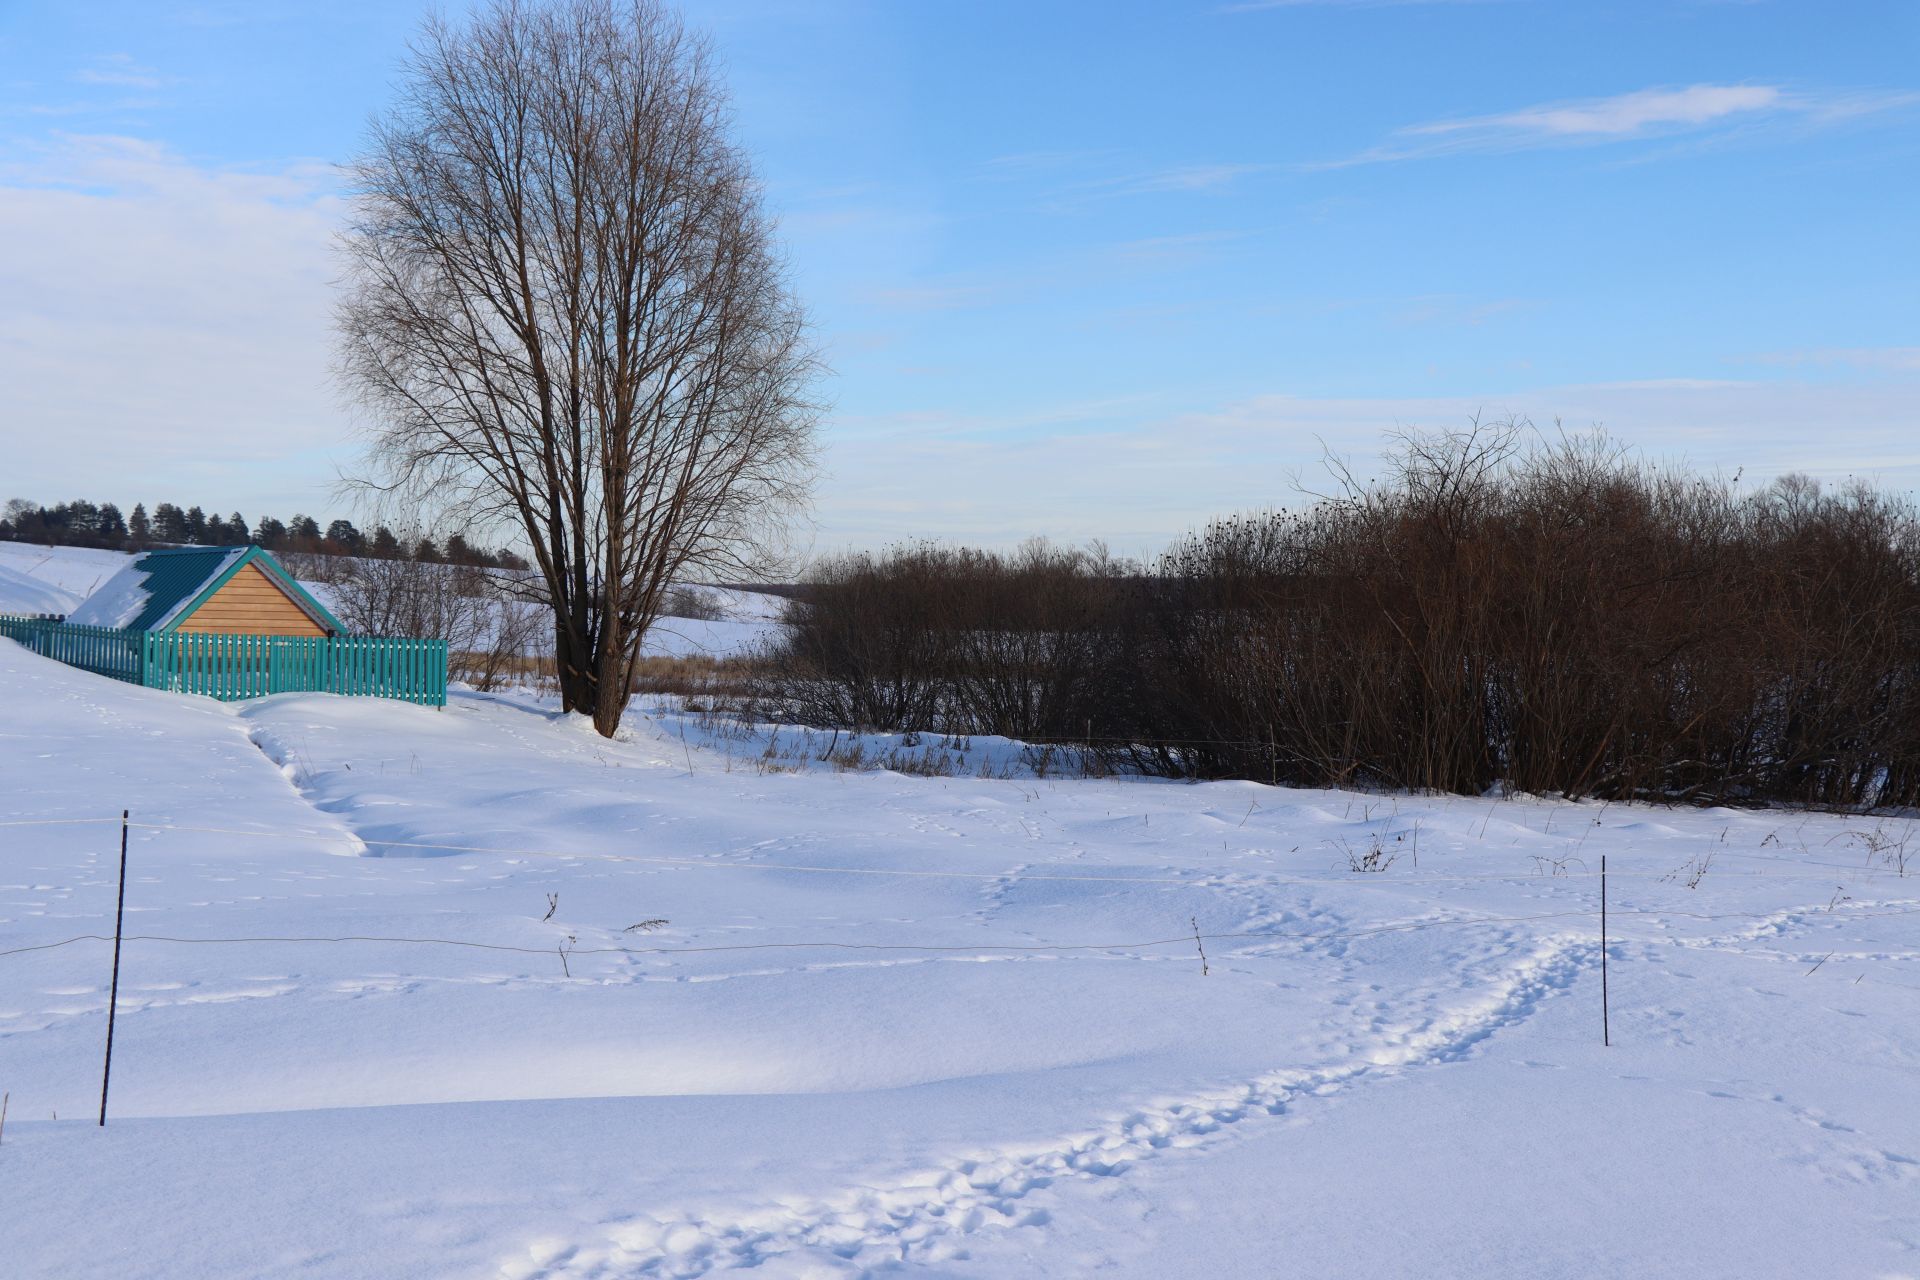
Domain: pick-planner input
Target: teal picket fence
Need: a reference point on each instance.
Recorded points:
(101, 650)
(232, 667)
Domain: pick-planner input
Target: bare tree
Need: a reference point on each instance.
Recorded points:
(413, 598)
(566, 314)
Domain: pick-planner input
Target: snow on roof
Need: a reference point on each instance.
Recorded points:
(118, 601)
(150, 593)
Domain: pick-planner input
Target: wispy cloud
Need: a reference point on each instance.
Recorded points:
(1024, 163)
(1453, 311)
(1193, 177)
(1184, 248)
(1883, 359)
(1645, 113)
(1189, 179)
(1619, 116)
(934, 297)
(120, 69)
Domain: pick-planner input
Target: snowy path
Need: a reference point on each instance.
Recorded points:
(913, 1221)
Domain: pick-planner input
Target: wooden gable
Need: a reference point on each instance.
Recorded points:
(251, 603)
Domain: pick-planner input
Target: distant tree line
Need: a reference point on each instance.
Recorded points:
(1554, 618)
(85, 524)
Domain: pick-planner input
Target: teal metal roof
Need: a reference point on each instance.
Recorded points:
(181, 579)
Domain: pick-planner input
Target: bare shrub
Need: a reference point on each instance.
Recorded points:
(1371, 857)
(1549, 615)
(960, 641)
(481, 613)
(1691, 872)
(684, 601)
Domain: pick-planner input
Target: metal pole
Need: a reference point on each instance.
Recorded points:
(113, 997)
(1606, 1020)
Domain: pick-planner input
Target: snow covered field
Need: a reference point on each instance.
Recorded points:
(384, 1012)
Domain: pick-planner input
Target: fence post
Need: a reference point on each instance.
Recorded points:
(113, 994)
(1606, 1020)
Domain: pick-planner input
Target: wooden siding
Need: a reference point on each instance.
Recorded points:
(251, 604)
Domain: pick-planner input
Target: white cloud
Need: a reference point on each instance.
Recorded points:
(1620, 116)
(167, 333)
(1645, 113)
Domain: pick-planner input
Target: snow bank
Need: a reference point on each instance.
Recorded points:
(22, 594)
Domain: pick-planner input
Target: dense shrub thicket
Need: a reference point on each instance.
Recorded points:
(1557, 617)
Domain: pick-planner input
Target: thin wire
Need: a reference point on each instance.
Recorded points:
(1403, 926)
(54, 822)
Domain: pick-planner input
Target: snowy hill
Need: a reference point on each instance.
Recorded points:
(390, 1005)
(73, 572)
(20, 593)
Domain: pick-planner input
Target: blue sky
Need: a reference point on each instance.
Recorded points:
(1080, 270)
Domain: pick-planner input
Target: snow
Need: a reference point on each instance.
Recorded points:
(117, 603)
(22, 594)
(76, 571)
(751, 625)
(744, 605)
(939, 1026)
(719, 638)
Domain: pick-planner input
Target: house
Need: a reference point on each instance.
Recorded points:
(207, 590)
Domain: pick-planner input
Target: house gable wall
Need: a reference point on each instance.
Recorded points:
(250, 603)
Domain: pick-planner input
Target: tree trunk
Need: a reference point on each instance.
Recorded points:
(575, 670)
(610, 693)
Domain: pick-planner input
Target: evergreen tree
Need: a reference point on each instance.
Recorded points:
(345, 538)
(112, 526)
(385, 545)
(139, 528)
(270, 533)
(77, 522)
(196, 521)
(169, 523)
